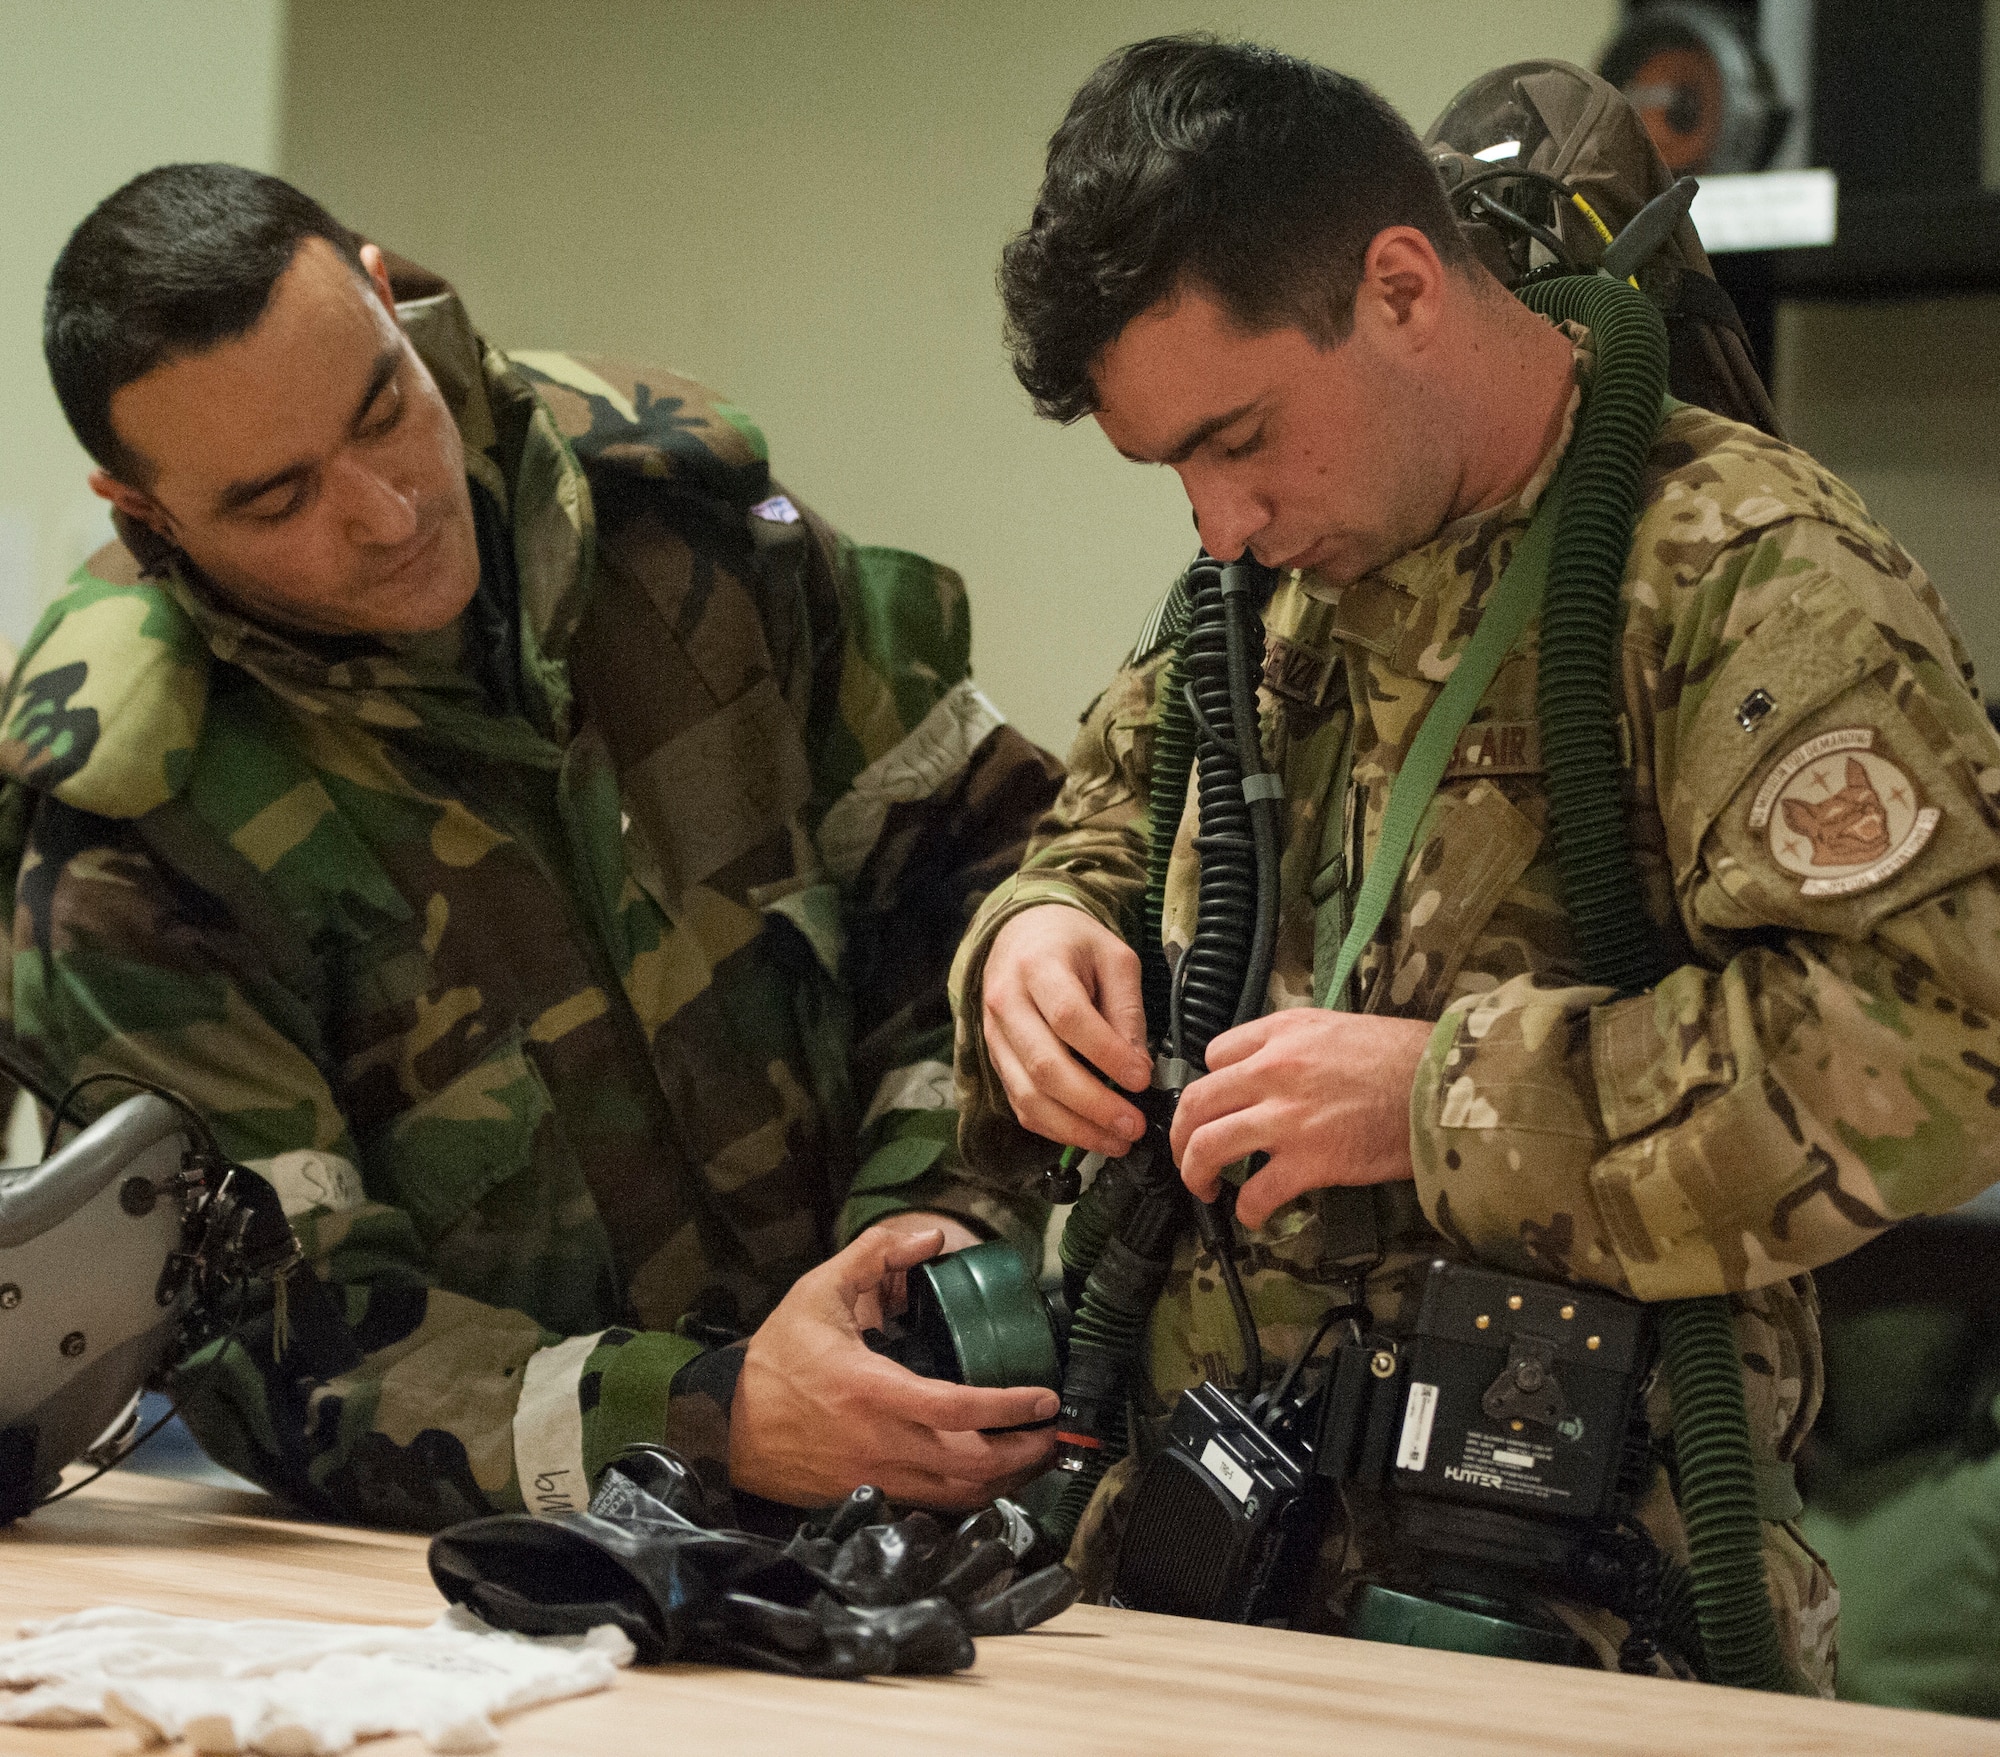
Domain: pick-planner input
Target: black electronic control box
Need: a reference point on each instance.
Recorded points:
(1518, 1393)
(1224, 1517)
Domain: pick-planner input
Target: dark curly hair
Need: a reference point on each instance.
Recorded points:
(180, 259)
(1184, 159)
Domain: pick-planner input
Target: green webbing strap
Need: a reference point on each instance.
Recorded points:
(1329, 890)
(1509, 611)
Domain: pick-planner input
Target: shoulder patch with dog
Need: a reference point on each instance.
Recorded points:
(1841, 818)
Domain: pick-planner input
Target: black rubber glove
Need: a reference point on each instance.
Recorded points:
(853, 1593)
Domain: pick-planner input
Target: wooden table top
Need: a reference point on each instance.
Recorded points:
(1093, 1681)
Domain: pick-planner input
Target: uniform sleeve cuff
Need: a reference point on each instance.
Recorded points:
(627, 1398)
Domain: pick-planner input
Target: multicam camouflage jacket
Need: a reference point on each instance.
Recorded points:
(1814, 799)
(576, 976)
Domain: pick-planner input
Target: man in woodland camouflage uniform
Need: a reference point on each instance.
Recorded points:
(1244, 267)
(535, 842)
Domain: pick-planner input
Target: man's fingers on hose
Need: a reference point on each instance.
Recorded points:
(1210, 1098)
(1034, 1110)
(1238, 1042)
(1221, 1143)
(1049, 1026)
(1074, 1017)
(1049, 1112)
(1123, 1004)
(1277, 1183)
(1051, 1121)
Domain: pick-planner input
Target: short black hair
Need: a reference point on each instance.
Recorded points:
(181, 258)
(1256, 176)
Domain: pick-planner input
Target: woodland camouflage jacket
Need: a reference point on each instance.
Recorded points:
(1814, 797)
(578, 985)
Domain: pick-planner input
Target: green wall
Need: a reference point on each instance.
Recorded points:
(1902, 400)
(91, 93)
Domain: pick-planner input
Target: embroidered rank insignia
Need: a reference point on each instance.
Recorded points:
(1297, 671)
(1841, 818)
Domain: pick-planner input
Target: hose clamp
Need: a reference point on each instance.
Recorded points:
(1268, 785)
(1172, 1073)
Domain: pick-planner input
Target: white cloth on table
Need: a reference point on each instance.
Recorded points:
(292, 1689)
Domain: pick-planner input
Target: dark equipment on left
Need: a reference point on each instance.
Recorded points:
(121, 1253)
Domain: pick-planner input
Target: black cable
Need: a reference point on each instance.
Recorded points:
(1502, 173)
(1216, 1222)
(49, 1500)
(25, 1071)
(1353, 1310)
(1176, 1011)
(1541, 234)
(1202, 722)
(60, 1113)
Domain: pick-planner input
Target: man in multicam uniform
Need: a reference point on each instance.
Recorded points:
(535, 842)
(1244, 268)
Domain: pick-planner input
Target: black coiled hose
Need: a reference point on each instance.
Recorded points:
(1119, 1240)
(1582, 608)
(1225, 970)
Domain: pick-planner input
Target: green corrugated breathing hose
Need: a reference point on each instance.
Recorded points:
(1099, 1216)
(1118, 1331)
(1718, 1496)
(1577, 673)
(1576, 704)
